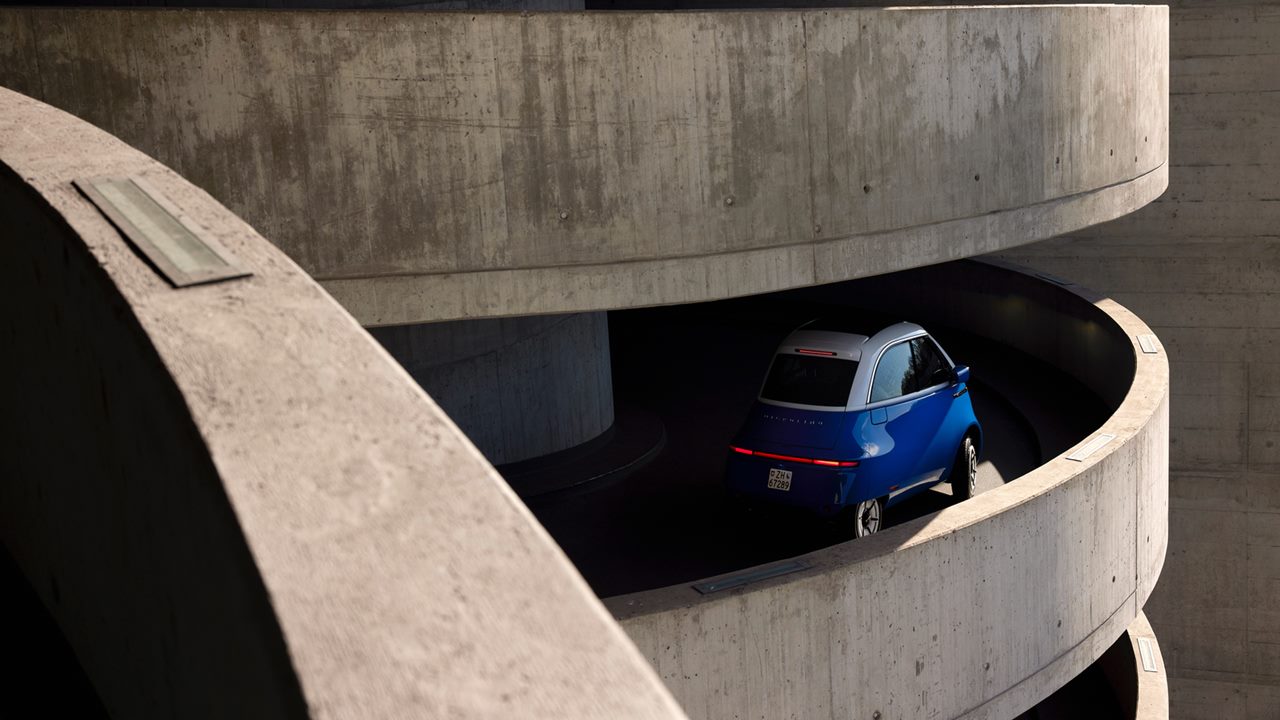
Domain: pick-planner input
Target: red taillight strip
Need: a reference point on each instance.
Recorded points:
(788, 458)
(793, 458)
(807, 351)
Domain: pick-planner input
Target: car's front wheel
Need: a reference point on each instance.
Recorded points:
(868, 516)
(964, 474)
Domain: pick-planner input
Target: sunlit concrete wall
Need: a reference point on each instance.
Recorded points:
(233, 501)
(1151, 699)
(1202, 266)
(518, 387)
(980, 610)
(432, 166)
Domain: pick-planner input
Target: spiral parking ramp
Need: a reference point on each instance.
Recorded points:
(367, 560)
(980, 610)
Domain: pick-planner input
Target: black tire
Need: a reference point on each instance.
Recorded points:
(867, 517)
(964, 473)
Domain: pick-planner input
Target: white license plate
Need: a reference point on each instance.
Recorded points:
(779, 479)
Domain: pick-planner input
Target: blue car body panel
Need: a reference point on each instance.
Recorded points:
(901, 446)
(792, 426)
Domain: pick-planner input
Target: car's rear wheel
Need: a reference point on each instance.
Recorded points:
(868, 516)
(964, 474)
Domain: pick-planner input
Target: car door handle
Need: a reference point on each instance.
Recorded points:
(961, 391)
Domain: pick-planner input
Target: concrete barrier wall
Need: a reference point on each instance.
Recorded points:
(109, 499)
(978, 611)
(432, 166)
(236, 504)
(1201, 266)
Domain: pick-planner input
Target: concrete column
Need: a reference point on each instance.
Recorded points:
(518, 387)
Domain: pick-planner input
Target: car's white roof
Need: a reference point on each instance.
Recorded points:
(845, 345)
(848, 345)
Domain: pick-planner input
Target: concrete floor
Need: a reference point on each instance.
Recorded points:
(699, 367)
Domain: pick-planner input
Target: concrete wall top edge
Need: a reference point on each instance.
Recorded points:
(441, 166)
(375, 13)
(371, 555)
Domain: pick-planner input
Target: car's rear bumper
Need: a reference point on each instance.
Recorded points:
(820, 490)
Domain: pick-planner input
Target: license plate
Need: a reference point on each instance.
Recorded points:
(779, 479)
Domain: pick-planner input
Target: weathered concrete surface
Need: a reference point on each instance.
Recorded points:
(441, 166)
(518, 387)
(978, 611)
(1153, 686)
(237, 505)
(400, 5)
(1202, 266)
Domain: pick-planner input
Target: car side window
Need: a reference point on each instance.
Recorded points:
(909, 367)
(930, 368)
(894, 377)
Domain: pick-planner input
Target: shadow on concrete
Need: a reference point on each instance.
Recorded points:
(43, 678)
(635, 438)
(1106, 690)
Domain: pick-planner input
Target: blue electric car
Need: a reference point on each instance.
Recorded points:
(860, 421)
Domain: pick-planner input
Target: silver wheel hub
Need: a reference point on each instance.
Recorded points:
(867, 517)
(973, 467)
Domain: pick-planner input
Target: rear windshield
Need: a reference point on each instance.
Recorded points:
(808, 380)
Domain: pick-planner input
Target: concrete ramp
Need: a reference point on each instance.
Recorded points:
(979, 610)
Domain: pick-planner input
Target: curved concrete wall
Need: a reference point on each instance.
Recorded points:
(1201, 266)
(235, 504)
(1152, 692)
(980, 610)
(442, 166)
(518, 387)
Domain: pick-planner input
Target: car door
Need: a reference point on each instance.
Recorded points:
(936, 376)
(910, 398)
